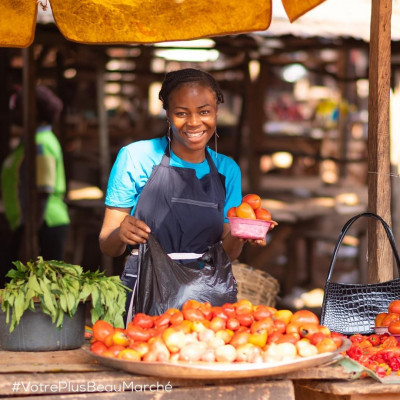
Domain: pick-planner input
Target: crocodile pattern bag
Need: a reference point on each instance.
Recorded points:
(352, 308)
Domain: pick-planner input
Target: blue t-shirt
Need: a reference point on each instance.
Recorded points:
(135, 162)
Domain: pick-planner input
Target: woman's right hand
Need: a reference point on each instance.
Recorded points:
(133, 231)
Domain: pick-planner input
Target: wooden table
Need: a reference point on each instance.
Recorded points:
(361, 389)
(68, 371)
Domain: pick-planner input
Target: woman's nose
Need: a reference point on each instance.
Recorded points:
(194, 120)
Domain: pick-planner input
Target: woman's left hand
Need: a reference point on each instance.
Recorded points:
(257, 242)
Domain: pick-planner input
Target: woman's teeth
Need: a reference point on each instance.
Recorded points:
(195, 135)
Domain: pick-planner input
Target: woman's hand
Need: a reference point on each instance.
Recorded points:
(133, 231)
(257, 242)
(119, 229)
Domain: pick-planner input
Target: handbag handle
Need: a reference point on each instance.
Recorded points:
(346, 227)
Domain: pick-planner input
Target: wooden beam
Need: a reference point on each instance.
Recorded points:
(4, 106)
(343, 68)
(29, 113)
(379, 252)
(395, 158)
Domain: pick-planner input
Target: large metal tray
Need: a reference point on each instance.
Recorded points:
(203, 370)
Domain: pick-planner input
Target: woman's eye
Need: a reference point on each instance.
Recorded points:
(205, 112)
(180, 114)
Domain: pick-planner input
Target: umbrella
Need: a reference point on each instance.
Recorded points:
(138, 21)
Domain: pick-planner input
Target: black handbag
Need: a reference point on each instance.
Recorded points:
(352, 308)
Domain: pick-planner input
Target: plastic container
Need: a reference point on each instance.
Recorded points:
(246, 228)
(36, 332)
(380, 330)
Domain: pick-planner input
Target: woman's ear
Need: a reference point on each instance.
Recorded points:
(167, 112)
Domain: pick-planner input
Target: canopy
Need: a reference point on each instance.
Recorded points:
(138, 21)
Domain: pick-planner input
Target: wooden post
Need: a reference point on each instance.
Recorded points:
(395, 159)
(107, 262)
(344, 60)
(4, 106)
(380, 267)
(103, 128)
(29, 114)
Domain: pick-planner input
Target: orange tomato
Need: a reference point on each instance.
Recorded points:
(318, 337)
(244, 306)
(394, 327)
(389, 318)
(101, 329)
(108, 353)
(98, 347)
(304, 317)
(283, 315)
(253, 199)
(190, 314)
(280, 326)
(143, 320)
(231, 212)
(379, 318)
(289, 338)
(192, 304)
(116, 349)
(129, 354)
(307, 330)
(245, 211)
(326, 345)
(394, 307)
(141, 347)
(263, 214)
(261, 312)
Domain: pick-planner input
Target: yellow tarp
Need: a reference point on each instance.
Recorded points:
(17, 22)
(296, 8)
(142, 21)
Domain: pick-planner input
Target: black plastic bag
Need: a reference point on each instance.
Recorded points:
(164, 283)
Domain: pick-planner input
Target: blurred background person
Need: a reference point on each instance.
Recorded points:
(52, 212)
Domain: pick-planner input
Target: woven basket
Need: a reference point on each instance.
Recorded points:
(255, 285)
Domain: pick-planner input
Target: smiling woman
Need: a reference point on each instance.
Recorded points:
(175, 187)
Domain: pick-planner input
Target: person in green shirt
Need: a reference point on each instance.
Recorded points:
(52, 213)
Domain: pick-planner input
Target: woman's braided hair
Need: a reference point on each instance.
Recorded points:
(173, 80)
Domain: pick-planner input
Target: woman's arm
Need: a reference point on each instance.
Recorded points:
(119, 229)
(232, 245)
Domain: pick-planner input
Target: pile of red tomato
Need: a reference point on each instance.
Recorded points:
(250, 208)
(240, 332)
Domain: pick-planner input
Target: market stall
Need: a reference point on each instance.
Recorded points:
(18, 365)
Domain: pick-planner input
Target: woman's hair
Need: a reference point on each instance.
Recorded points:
(175, 79)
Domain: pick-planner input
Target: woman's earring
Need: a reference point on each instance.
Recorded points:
(169, 136)
(216, 137)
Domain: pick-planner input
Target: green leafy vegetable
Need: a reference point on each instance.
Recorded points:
(59, 287)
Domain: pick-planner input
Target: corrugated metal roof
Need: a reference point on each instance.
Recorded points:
(331, 19)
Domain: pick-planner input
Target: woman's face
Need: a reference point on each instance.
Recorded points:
(193, 116)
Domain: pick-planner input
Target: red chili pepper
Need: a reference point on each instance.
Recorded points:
(357, 338)
(375, 340)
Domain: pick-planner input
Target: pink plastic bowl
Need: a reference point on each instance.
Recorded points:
(246, 228)
(380, 330)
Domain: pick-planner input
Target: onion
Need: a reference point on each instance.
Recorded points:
(206, 335)
(226, 353)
